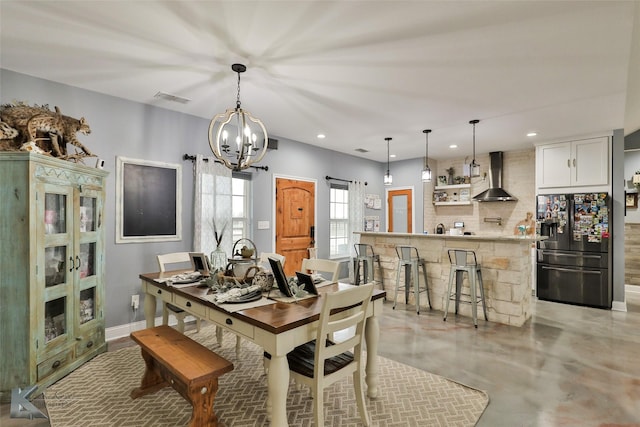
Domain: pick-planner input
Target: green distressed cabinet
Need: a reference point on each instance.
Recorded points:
(51, 268)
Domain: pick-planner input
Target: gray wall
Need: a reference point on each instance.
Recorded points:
(129, 129)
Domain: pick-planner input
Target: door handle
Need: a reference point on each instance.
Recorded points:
(572, 270)
(312, 231)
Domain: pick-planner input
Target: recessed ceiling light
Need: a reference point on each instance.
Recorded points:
(321, 136)
(392, 155)
(532, 134)
(452, 146)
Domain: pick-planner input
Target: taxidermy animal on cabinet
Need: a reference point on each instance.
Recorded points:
(7, 132)
(29, 121)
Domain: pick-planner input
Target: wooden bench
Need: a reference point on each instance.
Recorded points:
(174, 359)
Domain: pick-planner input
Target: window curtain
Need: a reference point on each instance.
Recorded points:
(356, 219)
(211, 205)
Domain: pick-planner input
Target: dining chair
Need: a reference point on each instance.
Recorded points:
(318, 265)
(322, 362)
(264, 258)
(177, 312)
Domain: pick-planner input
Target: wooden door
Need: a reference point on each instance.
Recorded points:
(400, 208)
(295, 221)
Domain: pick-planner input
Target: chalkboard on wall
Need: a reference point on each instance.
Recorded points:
(148, 201)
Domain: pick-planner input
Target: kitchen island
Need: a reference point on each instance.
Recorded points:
(506, 270)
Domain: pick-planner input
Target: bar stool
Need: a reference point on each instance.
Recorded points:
(465, 261)
(364, 261)
(409, 258)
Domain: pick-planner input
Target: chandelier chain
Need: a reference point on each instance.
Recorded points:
(238, 98)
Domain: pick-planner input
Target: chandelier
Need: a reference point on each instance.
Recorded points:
(426, 172)
(388, 179)
(240, 151)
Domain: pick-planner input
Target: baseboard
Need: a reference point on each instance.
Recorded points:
(121, 331)
(632, 288)
(622, 305)
(619, 306)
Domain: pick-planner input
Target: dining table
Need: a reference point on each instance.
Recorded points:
(274, 325)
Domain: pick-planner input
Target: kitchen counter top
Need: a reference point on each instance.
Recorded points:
(497, 237)
(507, 269)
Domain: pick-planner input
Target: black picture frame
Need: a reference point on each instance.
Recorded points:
(631, 200)
(148, 201)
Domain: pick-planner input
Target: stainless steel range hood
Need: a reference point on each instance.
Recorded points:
(495, 193)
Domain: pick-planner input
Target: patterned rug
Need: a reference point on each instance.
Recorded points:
(97, 394)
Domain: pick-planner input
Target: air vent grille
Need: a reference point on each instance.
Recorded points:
(361, 150)
(173, 98)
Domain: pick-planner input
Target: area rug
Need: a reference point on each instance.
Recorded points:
(97, 394)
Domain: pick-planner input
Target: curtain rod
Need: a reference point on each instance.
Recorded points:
(206, 159)
(328, 178)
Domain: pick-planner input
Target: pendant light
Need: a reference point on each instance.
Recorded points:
(426, 172)
(248, 130)
(474, 167)
(388, 179)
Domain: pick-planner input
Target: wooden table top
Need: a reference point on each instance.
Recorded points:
(275, 318)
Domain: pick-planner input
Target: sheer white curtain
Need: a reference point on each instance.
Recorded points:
(356, 218)
(211, 202)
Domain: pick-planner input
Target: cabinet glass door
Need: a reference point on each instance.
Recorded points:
(88, 214)
(87, 260)
(55, 318)
(87, 305)
(55, 265)
(55, 213)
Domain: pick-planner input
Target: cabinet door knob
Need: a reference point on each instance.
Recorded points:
(159, 291)
(188, 303)
(228, 321)
(90, 344)
(56, 364)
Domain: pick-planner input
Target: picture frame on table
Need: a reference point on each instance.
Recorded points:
(148, 201)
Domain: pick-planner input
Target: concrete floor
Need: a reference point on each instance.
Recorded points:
(568, 366)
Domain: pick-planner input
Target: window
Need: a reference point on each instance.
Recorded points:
(240, 206)
(338, 221)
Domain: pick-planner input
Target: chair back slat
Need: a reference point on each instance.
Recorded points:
(322, 266)
(172, 258)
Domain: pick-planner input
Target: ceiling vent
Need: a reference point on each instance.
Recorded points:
(361, 150)
(173, 98)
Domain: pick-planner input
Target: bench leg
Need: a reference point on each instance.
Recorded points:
(151, 380)
(201, 398)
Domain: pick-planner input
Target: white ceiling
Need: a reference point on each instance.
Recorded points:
(358, 71)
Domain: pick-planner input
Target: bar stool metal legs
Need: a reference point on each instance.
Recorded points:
(465, 261)
(364, 262)
(409, 259)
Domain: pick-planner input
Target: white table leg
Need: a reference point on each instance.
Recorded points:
(150, 309)
(371, 335)
(277, 386)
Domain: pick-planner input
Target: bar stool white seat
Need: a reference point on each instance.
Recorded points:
(364, 265)
(409, 259)
(465, 261)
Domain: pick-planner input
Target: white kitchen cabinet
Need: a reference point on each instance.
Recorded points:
(579, 163)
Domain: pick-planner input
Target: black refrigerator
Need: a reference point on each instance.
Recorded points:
(573, 263)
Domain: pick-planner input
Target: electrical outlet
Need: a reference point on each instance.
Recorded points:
(135, 301)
